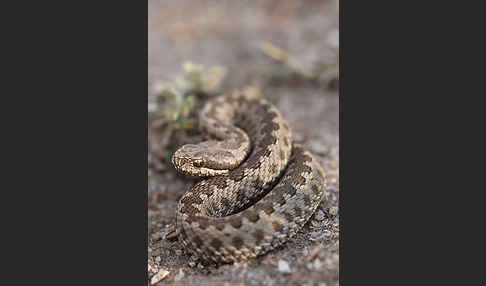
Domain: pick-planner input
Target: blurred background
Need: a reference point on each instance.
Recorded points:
(230, 33)
(288, 49)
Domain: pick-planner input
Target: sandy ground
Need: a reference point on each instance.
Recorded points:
(230, 33)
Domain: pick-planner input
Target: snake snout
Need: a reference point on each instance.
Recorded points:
(186, 162)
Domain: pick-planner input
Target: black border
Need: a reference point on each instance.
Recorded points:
(399, 143)
(77, 160)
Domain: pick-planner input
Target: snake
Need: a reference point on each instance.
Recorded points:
(259, 188)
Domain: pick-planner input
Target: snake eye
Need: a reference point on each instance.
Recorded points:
(197, 163)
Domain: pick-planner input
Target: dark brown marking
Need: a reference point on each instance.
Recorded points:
(207, 192)
(298, 211)
(220, 182)
(267, 207)
(265, 106)
(226, 203)
(286, 179)
(268, 124)
(259, 235)
(203, 223)
(237, 242)
(197, 240)
(286, 126)
(191, 198)
(266, 128)
(189, 210)
(307, 200)
(215, 124)
(276, 196)
(183, 234)
(254, 161)
(275, 126)
(237, 175)
(216, 243)
(289, 190)
(268, 139)
(251, 215)
(315, 189)
(301, 168)
(220, 225)
(235, 222)
(306, 169)
(270, 115)
(259, 184)
(190, 219)
(255, 157)
(274, 168)
(299, 180)
(240, 196)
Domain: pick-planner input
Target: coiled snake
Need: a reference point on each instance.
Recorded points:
(262, 188)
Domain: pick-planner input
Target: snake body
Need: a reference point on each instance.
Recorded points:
(261, 187)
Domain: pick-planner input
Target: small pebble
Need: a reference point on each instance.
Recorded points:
(320, 215)
(192, 264)
(159, 276)
(333, 211)
(158, 259)
(283, 266)
(163, 234)
(151, 267)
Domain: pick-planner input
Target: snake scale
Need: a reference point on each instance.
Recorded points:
(260, 187)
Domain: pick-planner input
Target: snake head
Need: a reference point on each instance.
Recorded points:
(195, 160)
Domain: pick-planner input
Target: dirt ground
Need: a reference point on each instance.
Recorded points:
(230, 34)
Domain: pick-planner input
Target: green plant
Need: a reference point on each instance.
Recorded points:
(179, 97)
(177, 106)
(197, 79)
